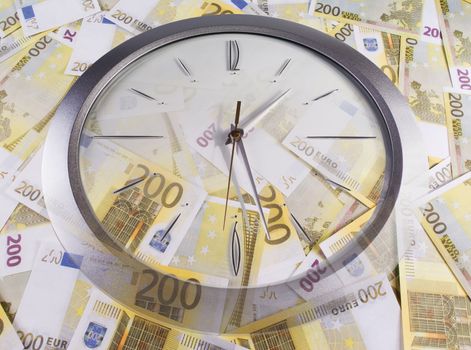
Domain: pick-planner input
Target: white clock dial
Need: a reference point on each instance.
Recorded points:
(299, 140)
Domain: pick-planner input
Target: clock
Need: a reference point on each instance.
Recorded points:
(210, 157)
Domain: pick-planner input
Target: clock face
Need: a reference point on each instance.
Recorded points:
(230, 156)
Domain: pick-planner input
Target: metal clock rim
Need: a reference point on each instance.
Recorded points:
(372, 81)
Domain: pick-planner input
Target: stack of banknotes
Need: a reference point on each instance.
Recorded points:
(423, 46)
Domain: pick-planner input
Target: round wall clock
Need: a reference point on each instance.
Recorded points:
(204, 162)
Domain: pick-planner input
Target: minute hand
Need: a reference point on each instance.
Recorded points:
(253, 118)
(254, 188)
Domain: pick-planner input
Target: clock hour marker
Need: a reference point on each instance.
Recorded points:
(342, 137)
(282, 68)
(322, 96)
(235, 250)
(233, 56)
(338, 185)
(185, 70)
(298, 225)
(132, 183)
(140, 93)
(100, 137)
(170, 227)
(325, 95)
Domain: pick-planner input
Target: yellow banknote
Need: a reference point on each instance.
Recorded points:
(446, 219)
(30, 93)
(317, 221)
(105, 324)
(432, 299)
(338, 320)
(454, 17)
(340, 162)
(423, 76)
(458, 118)
(400, 17)
(8, 337)
(379, 256)
(382, 48)
(159, 205)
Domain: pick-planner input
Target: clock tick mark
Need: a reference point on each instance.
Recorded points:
(282, 69)
(301, 228)
(185, 69)
(140, 93)
(133, 183)
(341, 137)
(101, 137)
(170, 227)
(321, 96)
(326, 94)
(338, 185)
